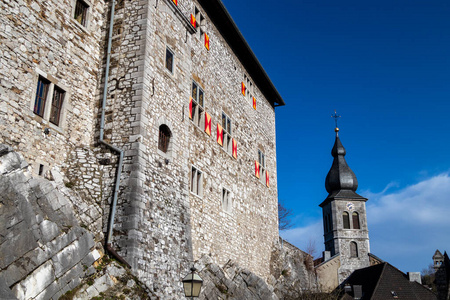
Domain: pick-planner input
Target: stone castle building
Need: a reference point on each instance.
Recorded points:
(160, 116)
(346, 233)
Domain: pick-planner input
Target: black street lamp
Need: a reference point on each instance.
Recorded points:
(192, 284)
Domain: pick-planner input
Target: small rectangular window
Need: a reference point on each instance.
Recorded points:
(227, 204)
(226, 133)
(196, 181)
(49, 101)
(262, 165)
(248, 87)
(81, 11)
(57, 102)
(41, 170)
(169, 60)
(198, 109)
(41, 96)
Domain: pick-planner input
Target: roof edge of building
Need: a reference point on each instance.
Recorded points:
(229, 30)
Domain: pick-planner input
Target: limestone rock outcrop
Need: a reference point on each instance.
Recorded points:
(44, 250)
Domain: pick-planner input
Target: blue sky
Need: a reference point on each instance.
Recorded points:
(385, 67)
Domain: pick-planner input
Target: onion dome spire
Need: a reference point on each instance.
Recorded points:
(340, 177)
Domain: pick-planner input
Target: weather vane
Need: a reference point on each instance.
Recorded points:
(336, 117)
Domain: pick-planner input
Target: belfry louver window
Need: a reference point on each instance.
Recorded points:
(346, 220)
(355, 219)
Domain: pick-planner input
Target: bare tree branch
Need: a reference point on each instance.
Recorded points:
(311, 248)
(284, 217)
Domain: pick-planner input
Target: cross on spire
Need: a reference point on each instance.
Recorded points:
(336, 117)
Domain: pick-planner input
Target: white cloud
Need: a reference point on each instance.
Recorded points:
(405, 226)
(302, 237)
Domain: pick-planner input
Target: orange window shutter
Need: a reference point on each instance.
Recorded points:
(243, 88)
(176, 2)
(256, 169)
(267, 178)
(190, 107)
(206, 41)
(207, 123)
(193, 21)
(219, 135)
(254, 103)
(234, 144)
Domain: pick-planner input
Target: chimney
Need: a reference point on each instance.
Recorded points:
(415, 276)
(357, 292)
(326, 255)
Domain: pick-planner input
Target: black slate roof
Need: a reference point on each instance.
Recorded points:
(384, 282)
(341, 182)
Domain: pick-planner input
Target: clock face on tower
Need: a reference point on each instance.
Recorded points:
(350, 206)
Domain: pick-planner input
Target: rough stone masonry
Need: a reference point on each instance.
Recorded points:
(162, 223)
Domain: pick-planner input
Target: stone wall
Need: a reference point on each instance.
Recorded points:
(338, 240)
(359, 236)
(246, 233)
(327, 274)
(292, 271)
(161, 227)
(157, 212)
(152, 225)
(41, 38)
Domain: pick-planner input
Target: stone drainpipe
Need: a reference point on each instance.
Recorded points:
(119, 151)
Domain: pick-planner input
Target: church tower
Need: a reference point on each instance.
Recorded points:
(344, 216)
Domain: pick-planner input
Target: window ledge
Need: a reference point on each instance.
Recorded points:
(83, 28)
(166, 155)
(46, 124)
(195, 195)
(199, 128)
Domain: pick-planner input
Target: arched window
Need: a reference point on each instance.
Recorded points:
(353, 249)
(355, 219)
(164, 138)
(346, 220)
